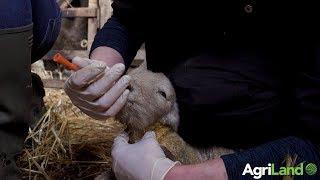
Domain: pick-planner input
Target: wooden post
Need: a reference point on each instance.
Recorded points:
(80, 12)
(105, 11)
(92, 24)
(97, 12)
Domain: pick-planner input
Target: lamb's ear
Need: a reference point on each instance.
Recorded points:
(139, 68)
(172, 118)
(143, 65)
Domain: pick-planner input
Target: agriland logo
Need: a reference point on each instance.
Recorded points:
(299, 170)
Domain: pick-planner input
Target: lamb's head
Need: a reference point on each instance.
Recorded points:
(152, 98)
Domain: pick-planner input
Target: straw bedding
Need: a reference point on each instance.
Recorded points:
(67, 144)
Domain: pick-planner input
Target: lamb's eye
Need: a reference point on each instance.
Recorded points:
(162, 93)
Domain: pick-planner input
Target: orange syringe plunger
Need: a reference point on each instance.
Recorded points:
(62, 60)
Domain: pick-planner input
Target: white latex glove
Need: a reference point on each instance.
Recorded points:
(99, 91)
(143, 160)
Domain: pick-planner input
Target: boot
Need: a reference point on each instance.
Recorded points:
(15, 95)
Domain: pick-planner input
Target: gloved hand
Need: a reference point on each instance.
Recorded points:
(99, 91)
(143, 160)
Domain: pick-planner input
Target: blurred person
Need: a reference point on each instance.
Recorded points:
(246, 75)
(28, 30)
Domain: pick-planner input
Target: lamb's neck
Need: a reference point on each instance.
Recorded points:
(160, 129)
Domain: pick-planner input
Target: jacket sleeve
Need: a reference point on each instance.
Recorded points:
(124, 30)
(308, 90)
(277, 152)
(46, 17)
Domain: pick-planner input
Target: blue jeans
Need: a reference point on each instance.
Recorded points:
(45, 16)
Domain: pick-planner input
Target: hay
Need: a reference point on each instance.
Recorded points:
(67, 144)
(290, 161)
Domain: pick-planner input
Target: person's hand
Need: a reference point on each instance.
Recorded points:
(143, 160)
(99, 91)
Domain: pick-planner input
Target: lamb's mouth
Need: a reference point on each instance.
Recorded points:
(131, 115)
(126, 112)
(130, 104)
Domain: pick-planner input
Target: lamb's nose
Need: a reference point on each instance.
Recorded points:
(130, 88)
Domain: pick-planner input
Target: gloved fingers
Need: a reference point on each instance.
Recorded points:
(119, 172)
(83, 62)
(109, 98)
(116, 107)
(101, 86)
(91, 113)
(150, 139)
(74, 96)
(121, 175)
(104, 111)
(122, 137)
(149, 135)
(94, 114)
(120, 141)
(85, 76)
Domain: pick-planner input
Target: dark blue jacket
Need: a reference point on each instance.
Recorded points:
(251, 66)
(245, 72)
(45, 16)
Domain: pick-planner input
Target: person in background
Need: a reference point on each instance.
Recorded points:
(246, 75)
(28, 29)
